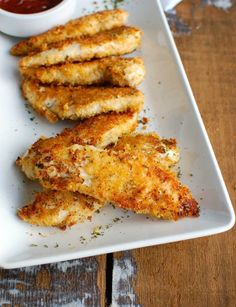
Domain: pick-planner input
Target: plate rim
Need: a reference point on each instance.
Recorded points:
(117, 247)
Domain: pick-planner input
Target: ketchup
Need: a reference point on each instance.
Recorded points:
(27, 6)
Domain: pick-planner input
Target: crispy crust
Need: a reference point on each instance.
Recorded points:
(117, 41)
(59, 209)
(111, 70)
(100, 131)
(63, 209)
(74, 103)
(129, 180)
(162, 151)
(46, 208)
(87, 25)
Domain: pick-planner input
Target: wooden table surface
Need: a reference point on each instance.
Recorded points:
(200, 272)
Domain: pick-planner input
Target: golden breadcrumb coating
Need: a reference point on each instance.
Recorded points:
(117, 41)
(87, 25)
(62, 208)
(62, 102)
(59, 209)
(111, 70)
(163, 151)
(100, 130)
(128, 179)
(45, 210)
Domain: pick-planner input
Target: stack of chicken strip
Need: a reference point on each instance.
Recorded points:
(75, 72)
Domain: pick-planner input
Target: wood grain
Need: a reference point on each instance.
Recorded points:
(124, 272)
(70, 283)
(201, 272)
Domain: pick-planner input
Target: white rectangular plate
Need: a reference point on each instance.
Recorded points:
(173, 112)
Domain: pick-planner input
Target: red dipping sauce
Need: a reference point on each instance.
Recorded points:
(27, 6)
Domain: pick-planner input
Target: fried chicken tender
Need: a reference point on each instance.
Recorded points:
(100, 131)
(111, 70)
(62, 102)
(45, 210)
(128, 180)
(117, 41)
(59, 209)
(87, 25)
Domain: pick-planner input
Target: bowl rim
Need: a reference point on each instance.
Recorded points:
(33, 15)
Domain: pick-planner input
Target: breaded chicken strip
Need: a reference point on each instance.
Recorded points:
(100, 131)
(117, 41)
(103, 130)
(47, 207)
(110, 70)
(62, 102)
(45, 210)
(163, 151)
(62, 208)
(59, 209)
(129, 180)
(87, 25)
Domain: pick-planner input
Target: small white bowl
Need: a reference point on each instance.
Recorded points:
(23, 25)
